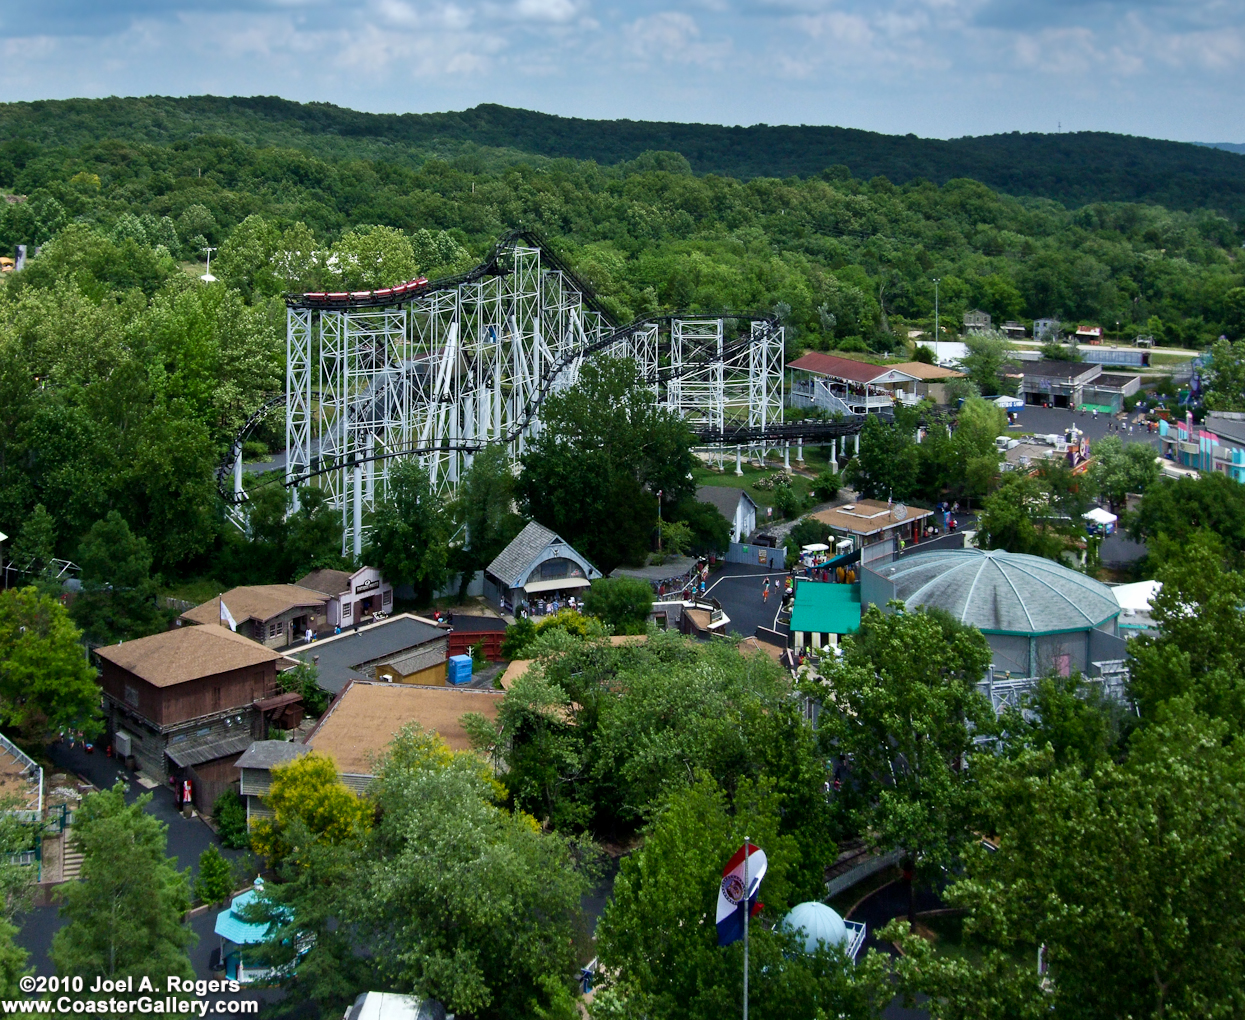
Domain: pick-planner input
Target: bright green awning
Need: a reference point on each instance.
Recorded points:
(826, 608)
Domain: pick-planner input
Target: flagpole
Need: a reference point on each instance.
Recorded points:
(747, 911)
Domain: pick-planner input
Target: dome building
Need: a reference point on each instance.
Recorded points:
(1038, 616)
(818, 923)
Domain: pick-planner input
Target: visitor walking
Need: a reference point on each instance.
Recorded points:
(765, 591)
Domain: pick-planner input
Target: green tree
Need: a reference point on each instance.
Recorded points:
(231, 822)
(35, 545)
(409, 540)
(606, 448)
(1120, 468)
(307, 792)
(304, 679)
(1199, 651)
(46, 683)
(622, 602)
(886, 467)
(126, 914)
(984, 360)
(214, 882)
(658, 942)
(486, 501)
(907, 714)
(369, 257)
(1121, 875)
(479, 946)
(1021, 517)
(118, 599)
(1173, 511)
(1225, 377)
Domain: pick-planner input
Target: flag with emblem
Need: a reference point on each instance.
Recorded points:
(731, 892)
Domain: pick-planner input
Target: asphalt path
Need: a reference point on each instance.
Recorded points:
(740, 591)
(187, 839)
(1045, 420)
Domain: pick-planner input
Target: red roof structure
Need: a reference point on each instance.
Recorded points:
(846, 368)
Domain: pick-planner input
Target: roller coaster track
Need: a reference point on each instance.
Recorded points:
(809, 431)
(439, 369)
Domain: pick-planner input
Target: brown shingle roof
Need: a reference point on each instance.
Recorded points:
(867, 517)
(926, 372)
(256, 602)
(186, 653)
(331, 582)
(366, 716)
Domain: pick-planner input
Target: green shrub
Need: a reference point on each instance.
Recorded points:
(215, 882)
(826, 486)
(230, 814)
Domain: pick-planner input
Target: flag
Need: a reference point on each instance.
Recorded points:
(731, 892)
(226, 616)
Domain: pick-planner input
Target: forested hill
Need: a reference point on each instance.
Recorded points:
(1073, 168)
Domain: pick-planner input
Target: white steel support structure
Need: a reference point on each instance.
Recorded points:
(439, 375)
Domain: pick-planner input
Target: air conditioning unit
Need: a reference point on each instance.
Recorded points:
(121, 744)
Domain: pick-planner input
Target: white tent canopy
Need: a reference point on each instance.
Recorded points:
(1009, 403)
(1137, 596)
(1100, 516)
(815, 547)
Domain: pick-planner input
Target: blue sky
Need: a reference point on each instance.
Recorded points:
(936, 68)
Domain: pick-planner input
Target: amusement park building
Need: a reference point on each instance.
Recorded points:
(1038, 616)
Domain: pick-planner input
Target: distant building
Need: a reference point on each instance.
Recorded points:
(1014, 330)
(976, 321)
(275, 615)
(821, 613)
(537, 564)
(187, 702)
(1046, 330)
(1088, 335)
(847, 385)
(365, 717)
(931, 380)
(407, 649)
(255, 769)
(733, 504)
(1058, 383)
(354, 596)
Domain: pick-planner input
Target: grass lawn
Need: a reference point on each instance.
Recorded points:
(197, 590)
(815, 461)
(1171, 357)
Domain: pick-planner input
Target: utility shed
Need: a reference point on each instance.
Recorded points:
(365, 717)
(410, 649)
(821, 613)
(256, 766)
(185, 702)
(1038, 616)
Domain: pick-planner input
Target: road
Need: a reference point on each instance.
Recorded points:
(187, 839)
(1045, 420)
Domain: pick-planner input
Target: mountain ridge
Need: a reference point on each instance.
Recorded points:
(1074, 168)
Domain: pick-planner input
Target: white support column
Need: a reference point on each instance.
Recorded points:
(856, 438)
(358, 511)
(739, 454)
(237, 473)
(799, 450)
(786, 454)
(834, 456)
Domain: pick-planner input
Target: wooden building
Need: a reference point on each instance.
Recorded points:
(275, 615)
(184, 703)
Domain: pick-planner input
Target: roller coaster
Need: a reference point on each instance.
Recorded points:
(438, 369)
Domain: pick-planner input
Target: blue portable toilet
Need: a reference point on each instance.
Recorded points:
(459, 671)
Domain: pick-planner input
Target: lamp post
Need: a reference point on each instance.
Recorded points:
(207, 277)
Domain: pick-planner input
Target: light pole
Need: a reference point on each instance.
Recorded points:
(207, 277)
(937, 281)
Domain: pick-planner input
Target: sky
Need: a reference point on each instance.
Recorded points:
(934, 68)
